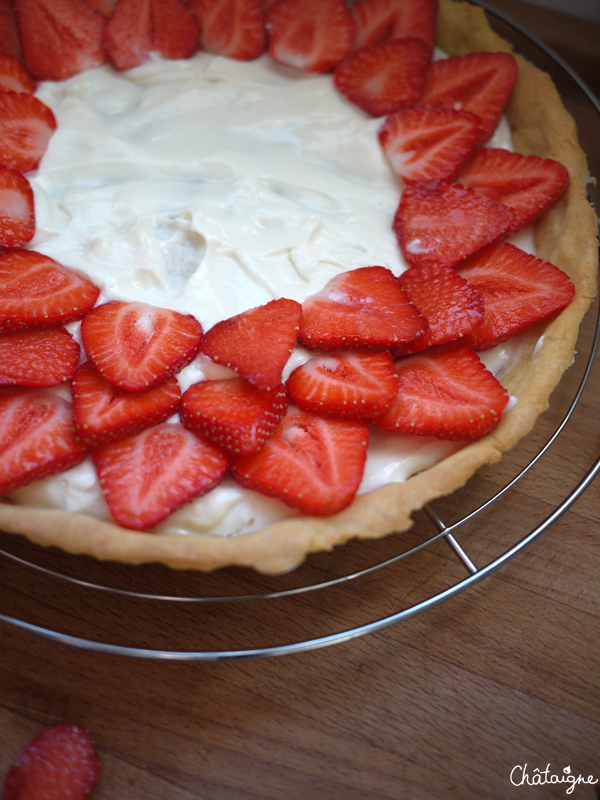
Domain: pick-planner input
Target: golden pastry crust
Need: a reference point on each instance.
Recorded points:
(566, 236)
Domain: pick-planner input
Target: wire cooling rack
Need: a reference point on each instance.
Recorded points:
(152, 612)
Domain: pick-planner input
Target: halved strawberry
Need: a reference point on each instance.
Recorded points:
(136, 346)
(360, 310)
(450, 305)
(38, 358)
(385, 77)
(17, 215)
(445, 392)
(137, 28)
(38, 292)
(446, 224)
(103, 412)
(36, 436)
(379, 21)
(26, 127)
(479, 82)
(232, 413)
(9, 34)
(256, 343)
(518, 290)
(13, 76)
(60, 38)
(147, 476)
(428, 144)
(311, 463)
(59, 764)
(529, 184)
(345, 385)
(310, 35)
(231, 28)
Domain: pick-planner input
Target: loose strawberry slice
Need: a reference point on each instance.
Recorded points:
(38, 292)
(60, 38)
(59, 764)
(17, 215)
(231, 28)
(479, 82)
(137, 346)
(428, 144)
(232, 413)
(450, 305)
(9, 35)
(104, 413)
(13, 76)
(38, 358)
(256, 343)
(148, 476)
(518, 290)
(345, 385)
(445, 225)
(36, 436)
(529, 184)
(386, 77)
(26, 127)
(137, 28)
(310, 35)
(379, 21)
(445, 392)
(311, 463)
(360, 310)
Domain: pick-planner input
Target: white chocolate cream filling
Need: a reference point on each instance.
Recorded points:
(211, 186)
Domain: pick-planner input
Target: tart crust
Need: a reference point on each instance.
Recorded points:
(565, 236)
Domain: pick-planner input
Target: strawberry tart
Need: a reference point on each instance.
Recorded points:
(274, 275)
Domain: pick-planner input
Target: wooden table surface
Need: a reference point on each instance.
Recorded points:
(443, 705)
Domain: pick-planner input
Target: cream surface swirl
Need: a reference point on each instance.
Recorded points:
(211, 186)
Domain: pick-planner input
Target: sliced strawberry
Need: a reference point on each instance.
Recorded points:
(386, 77)
(137, 28)
(445, 225)
(38, 292)
(479, 82)
(310, 35)
(13, 76)
(231, 28)
(17, 215)
(518, 290)
(136, 346)
(59, 764)
(267, 4)
(148, 476)
(38, 358)
(311, 463)
(36, 436)
(452, 307)
(345, 385)
(9, 34)
(104, 413)
(360, 310)
(60, 38)
(428, 144)
(232, 413)
(26, 127)
(105, 7)
(378, 21)
(256, 343)
(529, 184)
(445, 392)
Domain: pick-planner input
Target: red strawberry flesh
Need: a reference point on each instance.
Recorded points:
(231, 28)
(137, 346)
(17, 215)
(232, 413)
(13, 76)
(46, 357)
(59, 764)
(311, 463)
(26, 127)
(150, 475)
(379, 21)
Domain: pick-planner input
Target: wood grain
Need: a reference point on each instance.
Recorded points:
(439, 707)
